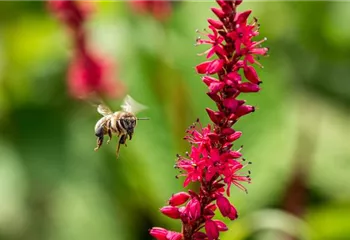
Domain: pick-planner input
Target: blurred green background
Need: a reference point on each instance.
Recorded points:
(54, 186)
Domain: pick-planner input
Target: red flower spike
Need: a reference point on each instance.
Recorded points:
(170, 211)
(214, 161)
(179, 198)
(212, 230)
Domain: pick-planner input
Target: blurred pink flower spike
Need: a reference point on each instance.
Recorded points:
(159, 9)
(89, 74)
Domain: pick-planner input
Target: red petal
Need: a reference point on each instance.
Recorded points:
(241, 18)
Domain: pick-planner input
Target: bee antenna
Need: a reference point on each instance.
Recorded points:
(142, 118)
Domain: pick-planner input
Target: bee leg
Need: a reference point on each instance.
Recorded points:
(99, 134)
(99, 143)
(110, 135)
(121, 141)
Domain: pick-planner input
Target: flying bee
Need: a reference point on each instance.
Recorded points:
(121, 123)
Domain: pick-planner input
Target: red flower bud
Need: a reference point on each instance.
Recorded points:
(200, 236)
(235, 154)
(247, 87)
(233, 213)
(202, 68)
(215, 66)
(216, 117)
(215, 23)
(234, 136)
(174, 236)
(237, 2)
(244, 109)
(193, 209)
(223, 205)
(214, 96)
(251, 75)
(159, 233)
(228, 131)
(218, 12)
(231, 104)
(221, 226)
(170, 211)
(213, 84)
(259, 51)
(211, 229)
(179, 198)
(210, 67)
(234, 76)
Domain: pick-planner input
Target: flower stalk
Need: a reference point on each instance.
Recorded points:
(212, 161)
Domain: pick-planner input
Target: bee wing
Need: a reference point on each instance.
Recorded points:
(130, 105)
(103, 110)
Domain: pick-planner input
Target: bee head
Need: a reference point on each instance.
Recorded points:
(128, 123)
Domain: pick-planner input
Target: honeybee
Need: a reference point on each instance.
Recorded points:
(121, 123)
